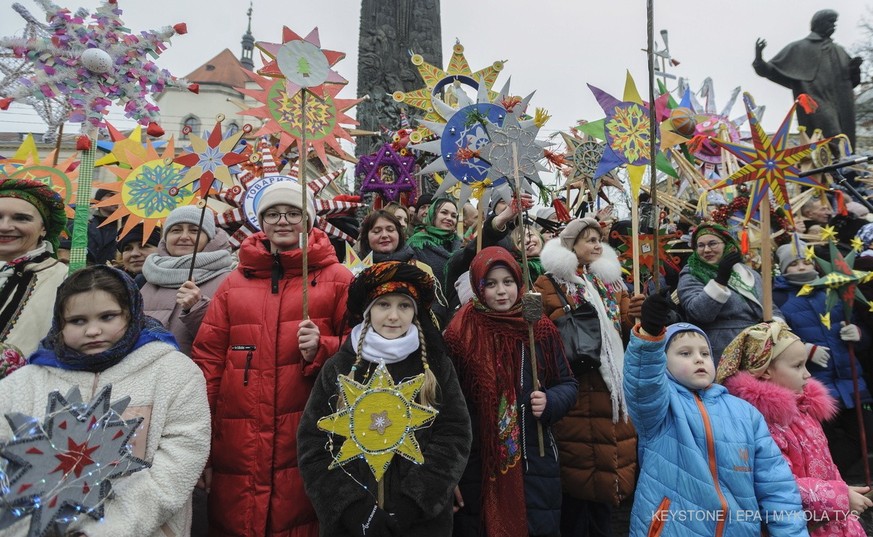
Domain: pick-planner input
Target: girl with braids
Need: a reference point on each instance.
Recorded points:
(389, 304)
(508, 489)
(718, 292)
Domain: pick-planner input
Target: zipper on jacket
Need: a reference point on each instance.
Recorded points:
(251, 350)
(713, 466)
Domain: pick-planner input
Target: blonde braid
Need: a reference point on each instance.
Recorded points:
(428, 394)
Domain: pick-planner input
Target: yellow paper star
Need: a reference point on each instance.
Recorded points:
(805, 290)
(395, 410)
(828, 233)
(810, 253)
(857, 244)
(826, 320)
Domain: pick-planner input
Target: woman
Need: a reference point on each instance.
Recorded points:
(133, 251)
(596, 440)
(170, 297)
(260, 355)
(388, 303)
(718, 292)
(530, 240)
(31, 220)
(436, 241)
(399, 211)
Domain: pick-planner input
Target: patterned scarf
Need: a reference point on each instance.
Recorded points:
(754, 349)
(141, 329)
(429, 235)
(489, 369)
(15, 283)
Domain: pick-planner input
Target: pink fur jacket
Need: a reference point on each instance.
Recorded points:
(795, 424)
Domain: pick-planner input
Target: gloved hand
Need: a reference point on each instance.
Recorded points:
(818, 355)
(726, 266)
(850, 332)
(653, 317)
(365, 519)
(634, 309)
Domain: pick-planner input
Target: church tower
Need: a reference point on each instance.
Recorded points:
(248, 44)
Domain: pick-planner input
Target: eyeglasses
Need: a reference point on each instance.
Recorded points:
(712, 245)
(292, 217)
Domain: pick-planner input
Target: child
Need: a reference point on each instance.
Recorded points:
(708, 465)
(99, 336)
(766, 366)
(508, 488)
(391, 303)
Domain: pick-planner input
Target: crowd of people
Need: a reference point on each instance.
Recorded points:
(710, 415)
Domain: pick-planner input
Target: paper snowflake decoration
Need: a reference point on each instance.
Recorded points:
(93, 60)
(64, 467)
(769, 163)
(151, 187)
(841, 281)
(211, 158)
(378, 420)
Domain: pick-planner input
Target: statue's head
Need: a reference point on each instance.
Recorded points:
(824, 22)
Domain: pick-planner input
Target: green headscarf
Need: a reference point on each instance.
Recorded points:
(700, 269)
(430, 235)
(47, 202)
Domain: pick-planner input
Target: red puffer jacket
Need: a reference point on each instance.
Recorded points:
(258, 383)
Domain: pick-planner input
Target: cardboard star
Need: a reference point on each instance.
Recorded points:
(394, 435)
(769, 163)
(64, 467)
(841, 281)
(301, 62)
(212, 158)
(386, 172)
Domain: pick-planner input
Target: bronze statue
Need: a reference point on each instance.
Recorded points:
(820, 68)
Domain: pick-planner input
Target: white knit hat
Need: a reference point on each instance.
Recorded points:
(787, 254)
(190, 214)
(285, 193)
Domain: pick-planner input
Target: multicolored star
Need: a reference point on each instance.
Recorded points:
(211, 158)
(301, 62)
(841, 281)
(769, 163)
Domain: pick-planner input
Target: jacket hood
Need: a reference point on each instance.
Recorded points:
(779, 405)
(256, 260)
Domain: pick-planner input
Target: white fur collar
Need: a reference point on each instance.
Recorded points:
(562, 263)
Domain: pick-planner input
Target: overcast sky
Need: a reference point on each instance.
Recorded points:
(552, 46)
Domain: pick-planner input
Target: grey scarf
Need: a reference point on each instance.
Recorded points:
(169, 271)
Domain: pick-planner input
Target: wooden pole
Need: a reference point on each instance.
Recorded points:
(766, 260)
(480, 223)
(526, 276)
(635, 241)
(859, 412)
(197, 238)
(304, 237)
(653, 176)
(58, 145)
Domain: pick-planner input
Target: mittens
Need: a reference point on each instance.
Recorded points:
(634, 309)
(655, 311)
(818, 355)
(726, 266)
(850, 332)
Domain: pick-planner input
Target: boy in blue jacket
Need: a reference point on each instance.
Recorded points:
(708, 465)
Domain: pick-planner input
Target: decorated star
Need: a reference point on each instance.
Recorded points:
(94, 60)
(436, 80)
(841, 281)
(64, 467)
(62, 177)
(646, 246)
(211, 158)
(283, 113)
(300, 62)
(378, 420)
(387, 173)
(769, 163)
(151, 187)
(353, 261)
(626, 132)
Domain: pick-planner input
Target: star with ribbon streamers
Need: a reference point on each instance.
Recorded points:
(94, 60)
(378, 420)
(840, 279)
(769, 163)
(64, 467)
(386, 172)
(212, 157)
(626, 132)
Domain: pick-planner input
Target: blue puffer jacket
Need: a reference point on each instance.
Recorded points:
(702, 455)
(802, 315)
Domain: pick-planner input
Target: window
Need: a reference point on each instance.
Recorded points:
(191, 124)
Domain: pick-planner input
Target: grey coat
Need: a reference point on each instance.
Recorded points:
(720, 311)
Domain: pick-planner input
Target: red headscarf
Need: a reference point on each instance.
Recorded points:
(486, 346)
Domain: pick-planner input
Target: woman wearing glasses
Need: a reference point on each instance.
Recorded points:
(719, 293)
(260, 356)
